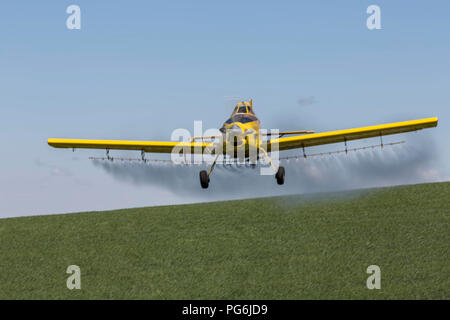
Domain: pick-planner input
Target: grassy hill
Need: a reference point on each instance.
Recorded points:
(294, 247)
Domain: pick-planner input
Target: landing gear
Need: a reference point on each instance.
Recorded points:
(204, 179)
(204, 175)
(280, 172)
(280, 175)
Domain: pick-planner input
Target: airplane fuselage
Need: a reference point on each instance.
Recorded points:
(242, 132)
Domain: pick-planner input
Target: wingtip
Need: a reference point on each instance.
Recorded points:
(50, 142)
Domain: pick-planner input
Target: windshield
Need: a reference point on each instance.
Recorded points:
(244, 118)
(241, 118)
(242, 110)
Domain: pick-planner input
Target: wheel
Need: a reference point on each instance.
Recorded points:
(280, 175)
(204, 179)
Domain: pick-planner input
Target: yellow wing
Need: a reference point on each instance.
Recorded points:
(316, 139)
(146, 146)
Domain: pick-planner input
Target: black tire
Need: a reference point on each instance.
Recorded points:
(204, 179)
(280, 175)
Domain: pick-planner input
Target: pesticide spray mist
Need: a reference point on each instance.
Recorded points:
(413, 162)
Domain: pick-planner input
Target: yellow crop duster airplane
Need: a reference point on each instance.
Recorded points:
(241, 138)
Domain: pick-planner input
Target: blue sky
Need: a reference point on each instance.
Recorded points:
(139, 69)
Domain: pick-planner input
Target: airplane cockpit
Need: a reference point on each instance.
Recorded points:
(244, 108)
(243, 113)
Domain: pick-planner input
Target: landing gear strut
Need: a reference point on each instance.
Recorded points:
(280, 172)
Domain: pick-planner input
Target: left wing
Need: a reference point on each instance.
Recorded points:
(316, 139)
(146, 146)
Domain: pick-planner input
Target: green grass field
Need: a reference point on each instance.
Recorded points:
(294, 247)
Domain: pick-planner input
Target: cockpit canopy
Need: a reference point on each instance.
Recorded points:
(243, 113)
(243, 107)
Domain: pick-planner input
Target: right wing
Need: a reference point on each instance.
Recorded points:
(284, 133)
(321, 138)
